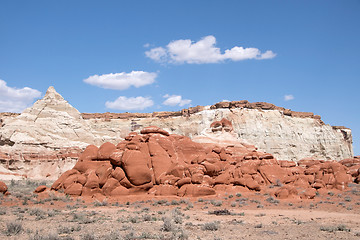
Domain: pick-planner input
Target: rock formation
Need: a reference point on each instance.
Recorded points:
(159, 163)
(3, 188)
(46, 139)
(286, 134)
(49, 135)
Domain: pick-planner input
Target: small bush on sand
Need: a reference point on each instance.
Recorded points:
(13, 228)
(211, 226)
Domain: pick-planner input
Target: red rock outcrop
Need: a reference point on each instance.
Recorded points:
(159, 163)
(3, 188)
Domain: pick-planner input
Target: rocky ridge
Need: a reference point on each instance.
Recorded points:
(158, 163)
(51, 134)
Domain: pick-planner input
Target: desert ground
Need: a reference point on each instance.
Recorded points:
(239, 214)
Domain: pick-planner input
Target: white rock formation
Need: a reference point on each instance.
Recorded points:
(286, 137)
(46, 138)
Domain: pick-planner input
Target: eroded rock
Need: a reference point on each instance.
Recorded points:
(155, 162)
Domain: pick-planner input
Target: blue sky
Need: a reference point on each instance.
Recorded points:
(168, 55)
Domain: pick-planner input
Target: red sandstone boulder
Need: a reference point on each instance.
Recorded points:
(74, 189)
(90, 153)
(120, 191)
(165, 190)
(136, 168)
(110, 185)
(308, 193)
(273, 174)
(153, 129)
(195, 191)
(40, 189)
(115, 157)
(105, 151)
(3, 187)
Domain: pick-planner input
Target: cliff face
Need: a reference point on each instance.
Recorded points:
(51, 134)
(286, 137)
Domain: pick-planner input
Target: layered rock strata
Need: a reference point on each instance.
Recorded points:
(49, 135)
(156, 162)
(285, 134)
(53, 133)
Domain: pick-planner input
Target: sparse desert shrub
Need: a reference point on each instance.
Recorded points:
(134, 219)
(347, 199)
(13, 228)
(161, 202)
(182, 235)
(40, 214)
(220, 212)
(233, 204)
(147, 218)
(272, 200)
(211, 226)
(82, 218)
(258, 225)
(340, 228)
(68, 230)
(113, 235)
(216, 203)
(103, 203)
(297, 222)
(167, 225)
(2, 211)
(88, 236)
(146, 235)
(174, 202)
(260, 215)
(178, 219)
(189, 206)
(130, 236)
(50, 236)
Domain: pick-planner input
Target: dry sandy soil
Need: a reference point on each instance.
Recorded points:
(237, 215)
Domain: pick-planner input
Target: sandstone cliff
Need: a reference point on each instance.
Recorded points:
(51, 134)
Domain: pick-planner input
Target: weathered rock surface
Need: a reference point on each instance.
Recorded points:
(48, 135)
(286, 135)
(159, 163)
(53, 133)
(3, 188)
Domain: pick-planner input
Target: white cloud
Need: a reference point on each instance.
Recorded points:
(146, 45)
(288, 97)
(132, 103)
(203, 51)
(173, 100)
(158, 54)
(16, 100)
(122, 81)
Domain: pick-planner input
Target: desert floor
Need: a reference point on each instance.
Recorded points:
(228, 215)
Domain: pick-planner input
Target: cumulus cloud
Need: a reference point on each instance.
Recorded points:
(16, 100)
(122, 81)
(203, 51)
(132, 103)
(288, 97)
(174, 100)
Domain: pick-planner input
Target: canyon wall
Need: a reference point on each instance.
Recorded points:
(51, 134)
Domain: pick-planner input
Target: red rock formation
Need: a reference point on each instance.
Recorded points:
(156, 162)
(223, 125)
(3, 188)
